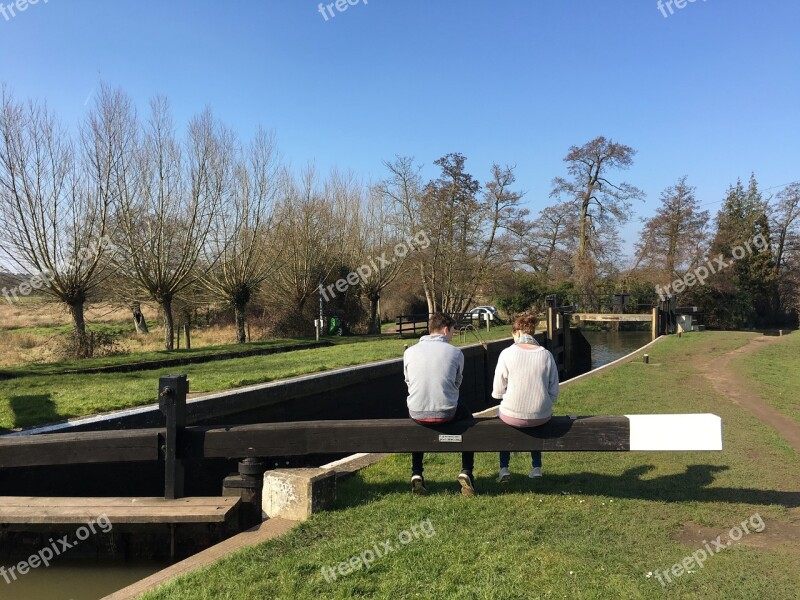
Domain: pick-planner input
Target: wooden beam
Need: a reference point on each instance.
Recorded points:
(612, 318)
(561, 434)
(80, 448)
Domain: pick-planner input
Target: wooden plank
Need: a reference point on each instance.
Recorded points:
(79, 448)
(50, 511)
(610, 317)
(561, 434)
(119, 502)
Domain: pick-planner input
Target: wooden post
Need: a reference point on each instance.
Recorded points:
(172, 390)
(655, 323)
(551, 326)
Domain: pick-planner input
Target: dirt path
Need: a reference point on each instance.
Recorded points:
(739, 390)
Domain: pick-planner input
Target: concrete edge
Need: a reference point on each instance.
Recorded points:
(267, 530)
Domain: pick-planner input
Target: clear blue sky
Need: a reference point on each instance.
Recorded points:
(711, 91)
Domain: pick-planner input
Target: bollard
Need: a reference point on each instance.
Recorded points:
(247, 485)
(646, 359)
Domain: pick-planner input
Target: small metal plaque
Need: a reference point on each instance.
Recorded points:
(449, 438)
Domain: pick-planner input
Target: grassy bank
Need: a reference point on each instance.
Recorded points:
(41, 398)
(593, 527)
(769, 367)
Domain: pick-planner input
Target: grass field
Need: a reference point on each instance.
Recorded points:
(769, 368)
(594, 526)
(40, 398)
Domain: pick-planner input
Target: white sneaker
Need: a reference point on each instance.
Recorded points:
(505, 475)
(535, 473)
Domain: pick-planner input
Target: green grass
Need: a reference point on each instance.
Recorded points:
(143, 357)
(769, 367)
(40, 398)
(593, 527)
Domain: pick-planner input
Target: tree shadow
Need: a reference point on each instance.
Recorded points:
(689, 486)
(34, 409)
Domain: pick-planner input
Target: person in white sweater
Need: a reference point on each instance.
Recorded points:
(526, 383)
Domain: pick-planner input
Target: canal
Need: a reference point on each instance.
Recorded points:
(608, 346)
(84, 579)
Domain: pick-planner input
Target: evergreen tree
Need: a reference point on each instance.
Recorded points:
(745, 287)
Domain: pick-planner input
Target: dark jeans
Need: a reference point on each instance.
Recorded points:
(467, 458)
(536, 459)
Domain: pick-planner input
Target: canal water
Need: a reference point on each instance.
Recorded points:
(608, 346)
(92, 579)
(79, 579)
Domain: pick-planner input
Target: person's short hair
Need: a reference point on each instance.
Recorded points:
(525, 323)
(439, 321)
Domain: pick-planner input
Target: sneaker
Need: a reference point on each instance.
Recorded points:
(467, 483)
(418, 485)
(505, 475)
(535, 473)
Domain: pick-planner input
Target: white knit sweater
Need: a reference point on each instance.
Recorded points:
(527, 382)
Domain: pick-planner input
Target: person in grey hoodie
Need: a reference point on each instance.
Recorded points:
(433, 371)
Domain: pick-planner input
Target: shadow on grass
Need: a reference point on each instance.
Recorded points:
(689, 486)
(33, 410)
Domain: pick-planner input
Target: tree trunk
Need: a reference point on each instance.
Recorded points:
(169, 324)
(79, 330)
(187, 328)
(238, 309)
(374, 320)
(138, 319)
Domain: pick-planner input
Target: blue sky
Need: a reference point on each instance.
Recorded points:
(711, 91)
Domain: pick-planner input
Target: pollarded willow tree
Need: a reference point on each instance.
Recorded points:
(167, 197)
(598, 203)
(311, 234)
(56, 202)
(241, 246)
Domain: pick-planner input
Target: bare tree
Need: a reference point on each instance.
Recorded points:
(379, 232)
(167, 201)
(596, 200)
(56, 202)
(240, 244)
(548, 241)
(308, 237)
(462, 227)
(785, 224)
(673, 240)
